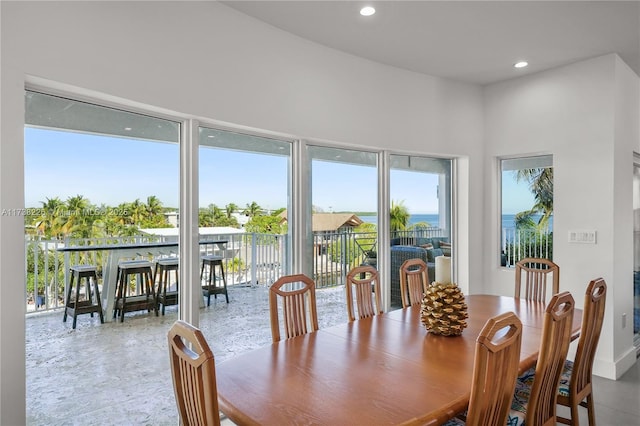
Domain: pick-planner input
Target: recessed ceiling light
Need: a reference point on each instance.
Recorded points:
(367, 11)
(128, 129)
(521, 64)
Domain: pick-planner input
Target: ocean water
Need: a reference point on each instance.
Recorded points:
(432, 219)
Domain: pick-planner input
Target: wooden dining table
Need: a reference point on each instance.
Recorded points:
(384, 370)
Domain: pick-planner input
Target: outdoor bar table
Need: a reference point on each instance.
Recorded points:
(375, 371)
(117, 252)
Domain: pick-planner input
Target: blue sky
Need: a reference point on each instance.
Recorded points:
(110, 171)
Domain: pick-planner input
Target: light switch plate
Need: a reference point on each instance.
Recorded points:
(583, 236)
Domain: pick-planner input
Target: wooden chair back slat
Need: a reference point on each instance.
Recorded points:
(533, 274)
(554, 345)
(363, 281)
(414, 280)
(194, 375)
(496, 364)
(298, 293)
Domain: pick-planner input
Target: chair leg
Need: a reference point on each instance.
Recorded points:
(224, 282)
(575, 415)
(64, 317)
(96, 291)
(124, 290)
(75, 302)
(162, 286)
(209, 284)
(89, 298)
(151, 293)
(212, 282)
(591, 410)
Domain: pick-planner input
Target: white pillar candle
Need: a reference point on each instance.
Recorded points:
(443, 269)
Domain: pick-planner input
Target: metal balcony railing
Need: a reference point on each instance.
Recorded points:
(522, 243)
(249, 258)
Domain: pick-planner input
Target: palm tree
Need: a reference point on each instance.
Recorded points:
(399, 216)
(123, 216)
(76, 221)
(252, 209)
(47, 223)
(541, 185)
(205, 217)
(154, 206)
(138, 211)
(230, 209)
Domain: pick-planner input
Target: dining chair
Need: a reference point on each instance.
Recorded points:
(363, 280)
(495, 370)
(298, 292)
(575, 382)
(534, 401)
(414, 279)
(194, 376)
(534, 274)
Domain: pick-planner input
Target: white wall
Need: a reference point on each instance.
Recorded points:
(205, 60)
(586, 115)
(626, 141)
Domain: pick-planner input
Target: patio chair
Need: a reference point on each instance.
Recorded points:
(534, 401)
(298, 293)
(575, 382)
(363, 280)
(193, 371)
(495, 370)
(536, 275)
(414, 280)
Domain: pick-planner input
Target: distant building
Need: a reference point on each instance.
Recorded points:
(331, 222)
(202, 231)
(172, 218)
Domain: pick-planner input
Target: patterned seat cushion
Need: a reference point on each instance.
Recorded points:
(565, 378)
(518, 411)
(521, 395)
(454, 422)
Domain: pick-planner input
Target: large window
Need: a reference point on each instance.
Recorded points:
(420, 216)
(93, 176)
(344, 212)
(96, 179)
(244, 198)
(526, 209)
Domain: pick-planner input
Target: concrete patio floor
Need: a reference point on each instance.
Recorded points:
(118, 373)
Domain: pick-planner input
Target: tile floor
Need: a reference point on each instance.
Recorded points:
(118, 373)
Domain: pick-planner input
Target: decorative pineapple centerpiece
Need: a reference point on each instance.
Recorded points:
(444, 310)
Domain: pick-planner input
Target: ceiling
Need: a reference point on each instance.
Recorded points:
(471, 41)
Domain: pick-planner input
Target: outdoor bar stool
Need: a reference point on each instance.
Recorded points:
(211, 285)
(128, 300)
(76, 306)
(162, 278)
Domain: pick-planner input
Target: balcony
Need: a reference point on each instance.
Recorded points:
(249, 258)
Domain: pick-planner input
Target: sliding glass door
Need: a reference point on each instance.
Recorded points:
(344, 226)
(420, 215)
(97, 179)
(244, 198)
